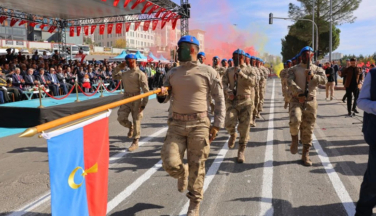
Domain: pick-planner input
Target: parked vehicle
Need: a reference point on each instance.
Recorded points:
(85, 49)
(40, 52)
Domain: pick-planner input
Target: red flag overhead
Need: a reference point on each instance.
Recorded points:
(71, 31)
(51, 29)
(126, 2)
(137, 3)
(22, 22)
(118, 28)
(150, 59)
(110, 26)
(93, 29)
(33, 24)
(78, 30)
(159, 12)
(42, 26)
(148, 4)
(127, 26)
(155, 7)
(86, 30)
(164, 21)
(174, 21)
(13, 21)
(166, 14)
(155, 24)
(2, 18)
(146, 25)
(136, 25)
(116, 2)
(101, 29)
(172, 15)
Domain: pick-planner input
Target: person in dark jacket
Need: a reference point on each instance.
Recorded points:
(329, 71)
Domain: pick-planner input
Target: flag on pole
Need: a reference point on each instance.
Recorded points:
(78, 163)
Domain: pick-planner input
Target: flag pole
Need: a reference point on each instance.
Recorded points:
(67, 119)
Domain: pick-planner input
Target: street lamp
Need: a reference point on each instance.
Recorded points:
(331, 33)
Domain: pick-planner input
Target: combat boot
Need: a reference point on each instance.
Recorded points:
(305, 155)
(134, 145)
(130, 132)
(231, 142)
(286, 105)
(258, 115)
(194, 208)
(294, 144)
(241, 158)
(183, 181)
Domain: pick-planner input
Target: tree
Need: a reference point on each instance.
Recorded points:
(120, 43)
(88, 40)
(291, 46)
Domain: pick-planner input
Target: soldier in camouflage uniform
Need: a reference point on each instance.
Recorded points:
(201, 57)
(224, 64)
(221, 71)
(134, 80)
(255, 63)
(263, 77)
(189, 126)
(238, 83)
(303, 109)
(230, 63)
(283, 75)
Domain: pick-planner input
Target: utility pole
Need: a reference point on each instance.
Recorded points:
(331, 33)
(313, 25)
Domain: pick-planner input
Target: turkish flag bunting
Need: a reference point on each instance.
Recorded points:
(155, 24)
(174, 21)
(159, 12)
(33, 24)
(51, 29)
(22, 22)
(166, 14)
(164, 21)
(127, 26)
(78, 30)
(2, 18)
(86, 30)
(13, 21)
(155, 7)
(110, 26)
(71, 31)
(126, 2)
(137, 3)
(171, 17)
(116, 2)
(150, 59)
(148, 4)
(119, 26)
(101, 29)
(136, 25)
(146, 25)
(92, 29)
(42, 26)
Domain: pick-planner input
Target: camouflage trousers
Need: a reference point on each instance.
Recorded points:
(255, 103)
(261, 95)
(285, 91)
(303, 120)
(239, 111)
(134, 109)
(192, 136)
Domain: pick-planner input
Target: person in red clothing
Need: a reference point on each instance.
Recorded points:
(86, 83)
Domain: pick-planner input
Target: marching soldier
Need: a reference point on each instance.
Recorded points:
(302, 84)
(255, 62)
(230, 63)
(189, 125)
(133, 80)
(221, 70)
(238, 83)
(263, 78)
(224, 64)
(201, 57)
(283, 76)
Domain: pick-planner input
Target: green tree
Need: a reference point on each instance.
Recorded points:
(88, 40)
(120, 43)
(291, 46)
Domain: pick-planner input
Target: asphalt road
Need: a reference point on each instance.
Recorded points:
(271, 182)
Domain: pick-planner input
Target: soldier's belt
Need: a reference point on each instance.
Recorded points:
(189, 117)
(242, 97)
(308, 99)
(131, 94)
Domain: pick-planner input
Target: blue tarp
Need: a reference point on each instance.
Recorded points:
(121, 56)
(162, 59)
(155, 59)
(140, 57)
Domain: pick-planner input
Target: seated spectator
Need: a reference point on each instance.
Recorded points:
(55, 81)
(1, 97)
(62, 80)
(35, 56)
(44, 80)
(30, 79)
(17, 94)
(17, 80)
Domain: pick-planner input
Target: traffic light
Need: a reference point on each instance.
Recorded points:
(271, 18)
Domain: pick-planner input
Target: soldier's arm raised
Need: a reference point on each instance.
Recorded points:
(216, 92)
(116, 75)
(249, 76)
(293, 87)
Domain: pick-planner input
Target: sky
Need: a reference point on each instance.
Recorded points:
(252, 29)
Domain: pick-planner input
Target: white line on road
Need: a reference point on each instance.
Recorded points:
(47, 196)
(266, 206)
(338, 186)
(210, 174)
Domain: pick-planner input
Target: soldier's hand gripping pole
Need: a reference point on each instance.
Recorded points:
(306, 91)
(235, 90)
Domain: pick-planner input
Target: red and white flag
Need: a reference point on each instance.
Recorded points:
(2, 18)
(22, 22)
(92, 29)
(137, 3)
(110, 26)
(42, 26)
(86, 30)
(166, 14)
(51, 29)
(172, 15)
(119, 27)
(164, 21)
(155, 24)
(136, 25)
(78, 30)
(71, 31)
(154, 8)
(13, 21)
(174, 21)
(126, 2)
(159, 12)
(33, 24)
(148, 4)
(146, 25)
(127, 26)
(101, 29)
(116, 2)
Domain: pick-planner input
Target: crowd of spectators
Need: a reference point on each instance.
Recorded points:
(20, 73)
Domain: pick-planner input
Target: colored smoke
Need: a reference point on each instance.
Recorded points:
(278, 68)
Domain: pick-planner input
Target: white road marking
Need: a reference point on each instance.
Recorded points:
(338, 186)
(210, 174)
(47, 196)
(131, 188)
(266, 206)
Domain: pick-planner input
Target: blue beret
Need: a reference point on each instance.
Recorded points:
(258, 59)
(307, 48)
(252, 57)
(224, 60)
(216, 57)
(189, 39)
(201, 54)
(239, 51)
(289, 61)
(285, 63)
(293, 58)
(131, 56)
(230, 60)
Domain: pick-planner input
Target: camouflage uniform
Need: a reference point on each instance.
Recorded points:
(285, 91)
(263, 79)
(256, 96)
(133, 81)
(191, 83)
(239, 109)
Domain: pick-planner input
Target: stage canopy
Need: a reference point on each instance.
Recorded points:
(152, 58)
(163, 59)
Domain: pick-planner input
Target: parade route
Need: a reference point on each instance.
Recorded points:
(272, 181)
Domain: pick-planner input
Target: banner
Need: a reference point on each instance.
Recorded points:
(86, 30)
(166, 14)
(78, 158)
(71, 31)
(148, 4)
(174, 21)
(137, 3)
(154, 24)
(126, 2)
(171, 16)
(146, 25)
(22, 22)
(13, 21)
(164, 21)
(110, 26)
(33, 24)
(159, 12)
(116, 2)
(101, 29)
(119, 26)
(78, 30)
(136, 25)
(51, 29)
(92, 29)
(42, 26)
(127, 26)
(155, 7)
(2, 18)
